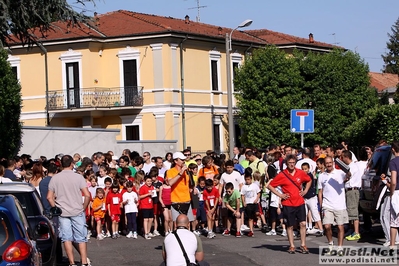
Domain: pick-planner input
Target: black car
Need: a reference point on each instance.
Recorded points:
(31, 204)
(17, 238)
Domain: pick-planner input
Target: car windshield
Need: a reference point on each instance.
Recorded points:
(28, 202)
(6, 233)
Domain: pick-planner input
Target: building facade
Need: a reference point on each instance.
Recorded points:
(149, 77)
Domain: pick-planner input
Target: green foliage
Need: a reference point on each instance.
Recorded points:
(391, 58)
(378, 123)
(19, 17)
(10, 109)
(271, 83)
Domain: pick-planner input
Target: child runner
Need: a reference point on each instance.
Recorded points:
(146, 205)
(201, 215)
(114, 201)
(99, 211)
(93, 186)
(108, 222)
(216, 180)
(164, 199)
(250, 194)
(232, 199)
(130, 200)
(211, 199)
(276, 214)
(102, 175)
(155, 198)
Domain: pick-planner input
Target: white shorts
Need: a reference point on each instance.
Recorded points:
(311, 204)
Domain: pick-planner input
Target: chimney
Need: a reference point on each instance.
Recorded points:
(220, 31)
(187, 19)
(311, 40)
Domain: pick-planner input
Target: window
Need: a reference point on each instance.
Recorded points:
(236, 60)
(15, 71)
(216, 138)
(215, 80)
(15, 63)
(132, 132)
(235, 68)
(129, 72)
(214, 70)
(72, 78)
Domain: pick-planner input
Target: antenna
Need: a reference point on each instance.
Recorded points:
(335, 39)
(198, 7)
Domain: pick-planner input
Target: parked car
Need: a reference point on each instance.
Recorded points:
(17, 238)
(371, 180)
(30, 201)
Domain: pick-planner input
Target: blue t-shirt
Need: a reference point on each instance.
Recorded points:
(394, 166)
(43, 188)
(9, 174)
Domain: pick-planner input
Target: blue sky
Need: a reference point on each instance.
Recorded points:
(360, 26)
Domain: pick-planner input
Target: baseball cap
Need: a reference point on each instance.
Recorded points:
(178, 155)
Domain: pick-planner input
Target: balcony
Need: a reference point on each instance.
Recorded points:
(88, 99)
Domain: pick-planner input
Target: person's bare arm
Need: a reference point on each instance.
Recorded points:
(181, 174)
(87, 196)
(199, 256)
(51, 198)
(394, 177)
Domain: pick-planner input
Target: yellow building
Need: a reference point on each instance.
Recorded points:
(150, 77)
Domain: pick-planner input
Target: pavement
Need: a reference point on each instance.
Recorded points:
(222, 250)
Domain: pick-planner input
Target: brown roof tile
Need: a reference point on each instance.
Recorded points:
(124, 23)
(382, 81)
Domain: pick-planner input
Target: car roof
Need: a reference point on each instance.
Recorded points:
(16, 187)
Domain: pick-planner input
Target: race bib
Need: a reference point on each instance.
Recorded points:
(211, 202)
(103, 207)
(115, 200)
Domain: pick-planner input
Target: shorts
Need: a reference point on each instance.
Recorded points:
(230, 214)
(251, 210)
(201, 214)
(175, 212)
(273, 214)
(73, 228)
(98, 218)
(147, 213)
(260, 209)
(116, 218)
(157, 208)
(340, 217)
(394, 218)
(293, 215)
(312, 205)
(352, 204)
(167, 207)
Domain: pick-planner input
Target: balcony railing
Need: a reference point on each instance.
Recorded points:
(95, 98)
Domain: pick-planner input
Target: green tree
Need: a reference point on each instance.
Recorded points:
(20, 17)
(391, 58)
(10, 102)
(271, 83)
(377, 123)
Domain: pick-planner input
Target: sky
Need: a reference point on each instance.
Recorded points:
(360, 26)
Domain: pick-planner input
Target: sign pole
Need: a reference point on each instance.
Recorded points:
(302, 140)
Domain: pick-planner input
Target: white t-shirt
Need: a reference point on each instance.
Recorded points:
(312, 164)
(356, 176)
(131, 205)
(250, 192)
(333, 187)
(147, 167)
(167, 165)
(234, 178)
(92, 191)
(100, 181)
(275, 200)
(174, 255)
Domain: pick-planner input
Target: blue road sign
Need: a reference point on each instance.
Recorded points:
(302, 121)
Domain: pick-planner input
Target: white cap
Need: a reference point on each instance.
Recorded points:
(178, 155)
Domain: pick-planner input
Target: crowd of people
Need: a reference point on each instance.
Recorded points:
(283, 190)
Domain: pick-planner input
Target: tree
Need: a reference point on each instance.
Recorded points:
(19, 18)
(391, 58)
(377, 123)
(271, 83)
(10, 109)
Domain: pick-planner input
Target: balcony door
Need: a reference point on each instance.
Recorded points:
(130, 82)
(72, 86)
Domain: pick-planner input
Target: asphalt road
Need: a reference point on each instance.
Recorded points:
(257, 250)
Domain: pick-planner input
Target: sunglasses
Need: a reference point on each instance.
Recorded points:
(187, 154)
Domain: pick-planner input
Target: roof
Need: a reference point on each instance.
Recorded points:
(124, 23)
(383, 81)
(14, 187)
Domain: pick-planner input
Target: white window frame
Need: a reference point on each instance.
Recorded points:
(71, 56)
(218, 120)
(132, 120)
(127, 54)
(15, 62)
(235, 58)
(215, 56)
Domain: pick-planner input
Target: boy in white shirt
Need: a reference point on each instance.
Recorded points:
(250, 194)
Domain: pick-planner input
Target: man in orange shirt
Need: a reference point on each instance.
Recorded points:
(179, 180)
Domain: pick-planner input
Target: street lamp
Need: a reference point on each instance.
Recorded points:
(243, 24)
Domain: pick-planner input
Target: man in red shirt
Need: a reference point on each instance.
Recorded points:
(290, 180)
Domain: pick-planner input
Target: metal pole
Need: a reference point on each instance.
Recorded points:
(302, 140)
(44, 50)
(229, 98)
(183, 107)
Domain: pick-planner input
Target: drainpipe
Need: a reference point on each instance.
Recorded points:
(183, 108)
(44, 50)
